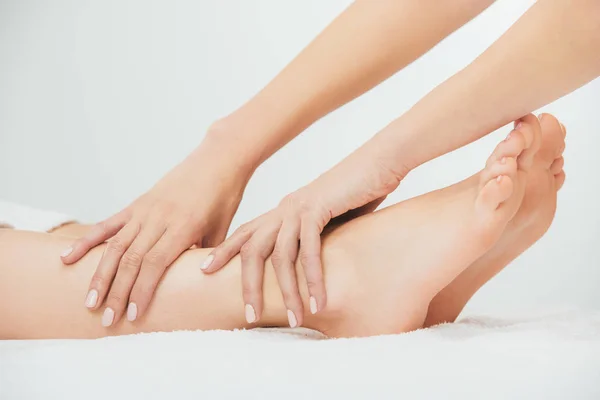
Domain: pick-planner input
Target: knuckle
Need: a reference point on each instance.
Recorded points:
(244, 230)
(115, 298)
(277, 258)
(290, 298)
(155, 259)
(308, 259)
(98, 281)
(250, 291)
(117, 244)
(312, 286)
(132, 258)
(248, 250)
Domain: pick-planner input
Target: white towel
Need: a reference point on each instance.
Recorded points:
(552, 356)
(18, 216)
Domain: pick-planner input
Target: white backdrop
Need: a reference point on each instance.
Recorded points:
(98, 99)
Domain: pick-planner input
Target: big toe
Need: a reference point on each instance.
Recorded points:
(553, 139)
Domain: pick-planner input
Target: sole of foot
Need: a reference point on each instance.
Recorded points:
(387, 266)
(530, 223)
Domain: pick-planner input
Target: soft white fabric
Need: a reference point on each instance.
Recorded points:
(555, 356)
(27, 218)
(551, 356)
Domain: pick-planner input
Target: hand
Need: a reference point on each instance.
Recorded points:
(192, 205)
(293, 229)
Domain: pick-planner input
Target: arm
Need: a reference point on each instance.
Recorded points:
(366, 44)
(550, 51)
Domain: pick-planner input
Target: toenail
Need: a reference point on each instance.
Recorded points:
(503, 160)
(541, 116)
(508, 137)
(499, 178)
(519, 125)
(564, 130)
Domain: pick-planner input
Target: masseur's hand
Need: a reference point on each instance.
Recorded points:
(192, 205)
(293, 229)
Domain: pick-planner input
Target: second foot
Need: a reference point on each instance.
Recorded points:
(383, 269)
(531, 221)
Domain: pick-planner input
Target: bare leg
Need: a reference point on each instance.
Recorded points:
(381, 270)
(529, 224)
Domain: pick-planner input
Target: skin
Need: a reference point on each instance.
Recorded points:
(371, 291)
(191, 207)
(550, 51)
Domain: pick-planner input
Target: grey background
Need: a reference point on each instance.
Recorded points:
(98, 99)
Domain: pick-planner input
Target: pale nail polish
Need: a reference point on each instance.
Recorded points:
(131, 312)
(313, 305)
(207, 262)
(250, 314)
(107, 317)
(499, 178)
(91, 298)
(292, 319)
(66, 252)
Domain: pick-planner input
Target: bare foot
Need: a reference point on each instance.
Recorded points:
(530, 223)
(386, 267)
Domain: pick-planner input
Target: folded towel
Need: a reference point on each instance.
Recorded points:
(18, 216)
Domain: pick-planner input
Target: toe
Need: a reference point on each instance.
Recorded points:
(560, 179)
(529, 127)
(493, 193)
(553, 142)
(506, 166)
(511, 147)
(557, 166)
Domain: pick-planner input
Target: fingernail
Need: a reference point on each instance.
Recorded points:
(91, 298)
(499, 178)
(207, 262)
(66, 252)
(250, 314)
(292, 319)
(313, 305)
(131, 312)
(107, 317)
(503, 160)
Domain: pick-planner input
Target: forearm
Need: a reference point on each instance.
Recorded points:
(366, 44)
(552, 50)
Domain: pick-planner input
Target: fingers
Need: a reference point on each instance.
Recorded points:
(283, 259)
(107, 267)
(310, 258)
(154, 263)
(226, 250)
(127, 272)
(253, 254)
(97, 234)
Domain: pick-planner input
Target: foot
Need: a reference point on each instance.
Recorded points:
(388, 266)
(530, 223)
